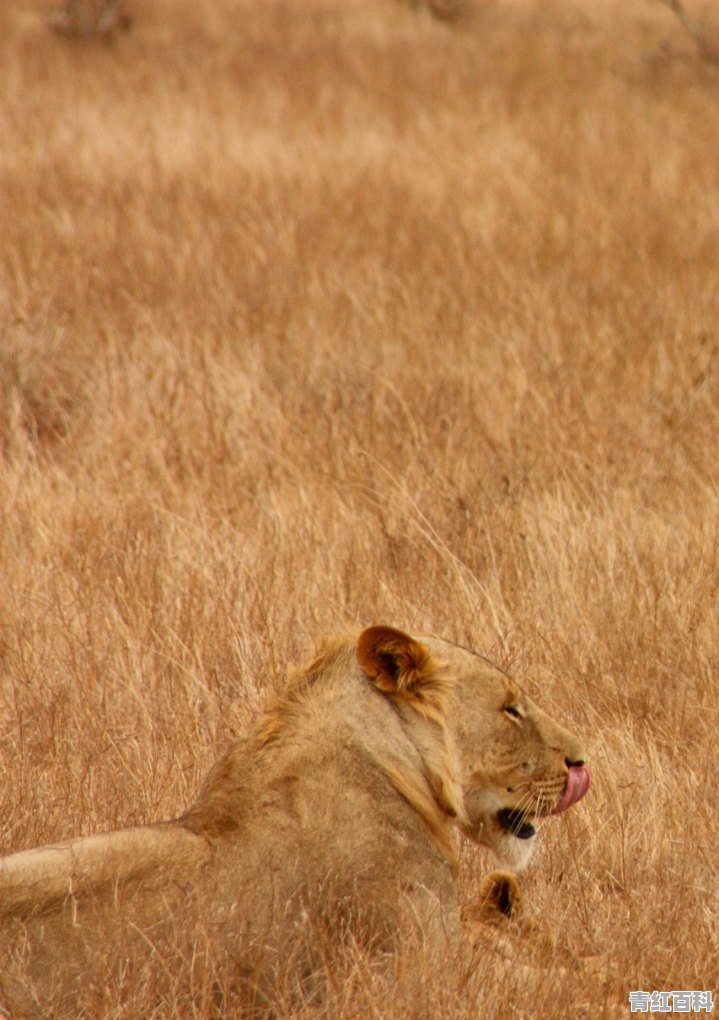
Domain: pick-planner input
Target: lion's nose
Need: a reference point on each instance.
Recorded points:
(573, 761)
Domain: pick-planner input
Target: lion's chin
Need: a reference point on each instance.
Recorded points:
(513, 848)
(514, 853)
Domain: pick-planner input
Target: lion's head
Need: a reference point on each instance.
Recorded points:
(516, 765)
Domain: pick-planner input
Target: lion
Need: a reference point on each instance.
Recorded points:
(330, 824)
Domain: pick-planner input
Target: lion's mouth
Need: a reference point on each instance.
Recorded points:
(515, 823)
(578, 780)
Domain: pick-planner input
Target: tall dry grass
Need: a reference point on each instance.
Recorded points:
(327, 311)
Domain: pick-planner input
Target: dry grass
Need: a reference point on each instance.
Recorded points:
(329, 310)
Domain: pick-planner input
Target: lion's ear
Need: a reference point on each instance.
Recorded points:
(499, 899)
(394, 660)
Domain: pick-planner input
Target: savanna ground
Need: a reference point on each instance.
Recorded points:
(328, 311)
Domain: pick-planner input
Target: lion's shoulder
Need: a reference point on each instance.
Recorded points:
(357, 736)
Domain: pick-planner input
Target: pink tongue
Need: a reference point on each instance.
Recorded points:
(578, 780)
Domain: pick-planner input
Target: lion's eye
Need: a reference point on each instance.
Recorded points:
(513, 711)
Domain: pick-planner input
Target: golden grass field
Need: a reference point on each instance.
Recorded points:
(328, 311)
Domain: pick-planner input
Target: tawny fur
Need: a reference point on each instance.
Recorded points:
(336, 814)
